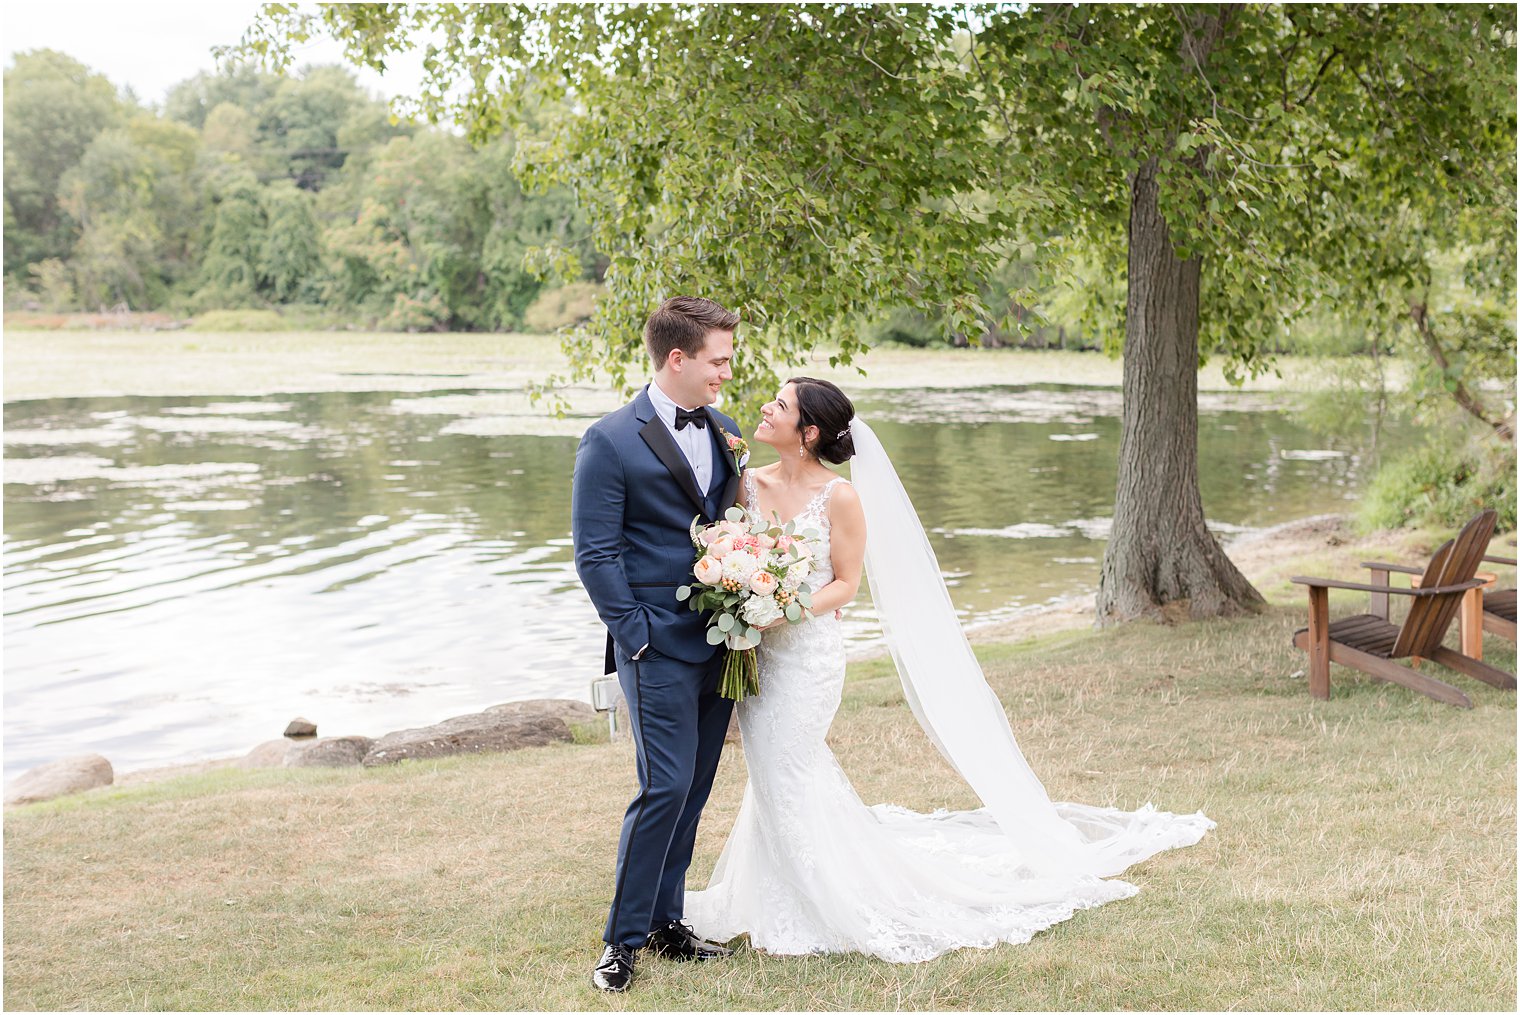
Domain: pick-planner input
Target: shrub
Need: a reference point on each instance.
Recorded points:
(239, 320)
(1442, 485)
(55, 284)
(560, 308)
(427, 312)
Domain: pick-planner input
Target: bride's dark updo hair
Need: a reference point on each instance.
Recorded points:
(822, 404)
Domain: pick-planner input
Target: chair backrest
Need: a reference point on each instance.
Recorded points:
(1455, 562)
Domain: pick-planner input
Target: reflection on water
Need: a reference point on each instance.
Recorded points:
(183, 575)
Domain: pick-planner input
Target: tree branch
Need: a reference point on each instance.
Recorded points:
(1334, 52)
(1419, 314)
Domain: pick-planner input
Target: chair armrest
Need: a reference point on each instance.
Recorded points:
(1473, 583)
(1500, 560)
(1328, 583)
(1373, 565)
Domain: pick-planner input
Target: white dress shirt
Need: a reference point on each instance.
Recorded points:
(694, 441)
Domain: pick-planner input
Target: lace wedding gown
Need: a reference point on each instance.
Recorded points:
(809, 868)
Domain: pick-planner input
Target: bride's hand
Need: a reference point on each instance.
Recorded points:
(782, 621)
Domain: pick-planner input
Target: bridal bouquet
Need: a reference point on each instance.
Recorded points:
(750, 573)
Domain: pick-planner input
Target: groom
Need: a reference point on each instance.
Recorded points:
(641, 474)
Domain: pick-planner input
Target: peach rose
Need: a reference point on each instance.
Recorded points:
(707, 535)
(709, 570)
(721, 548)
(763, 583)
(765, 541)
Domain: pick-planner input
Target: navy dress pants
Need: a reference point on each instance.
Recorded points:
(678, 722)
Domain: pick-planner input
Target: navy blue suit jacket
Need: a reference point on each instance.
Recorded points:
(631, 508)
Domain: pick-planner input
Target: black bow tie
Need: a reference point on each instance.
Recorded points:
(696, 417)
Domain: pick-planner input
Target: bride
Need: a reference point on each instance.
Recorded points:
(808, 867)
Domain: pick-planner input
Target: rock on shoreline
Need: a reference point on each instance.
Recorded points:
(469, 734)
(503, 727)
(59, 778)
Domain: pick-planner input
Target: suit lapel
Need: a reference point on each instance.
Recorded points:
(730, 495)
(664, 447)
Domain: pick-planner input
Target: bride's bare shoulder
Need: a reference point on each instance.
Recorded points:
(844, 496)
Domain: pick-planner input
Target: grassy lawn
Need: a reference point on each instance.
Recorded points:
(56, 364)
(1364, 859)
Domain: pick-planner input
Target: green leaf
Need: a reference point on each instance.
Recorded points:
(714, 636)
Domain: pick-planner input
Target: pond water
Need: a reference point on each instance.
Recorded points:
(184, 575)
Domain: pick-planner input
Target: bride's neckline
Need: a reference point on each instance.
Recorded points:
(754, 491)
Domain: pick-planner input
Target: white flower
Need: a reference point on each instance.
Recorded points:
(760, 610)
(796, 574)
(739, 565)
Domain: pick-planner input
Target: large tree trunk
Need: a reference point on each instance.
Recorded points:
(1162, 562)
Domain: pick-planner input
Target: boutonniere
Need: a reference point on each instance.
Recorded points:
(737, 446)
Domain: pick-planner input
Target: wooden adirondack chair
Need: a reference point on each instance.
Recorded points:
(1370, 643)
(1499, 605)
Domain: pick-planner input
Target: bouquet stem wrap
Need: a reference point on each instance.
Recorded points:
(741, 673)
(750, 574)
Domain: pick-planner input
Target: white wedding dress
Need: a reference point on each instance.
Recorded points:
(810, 868)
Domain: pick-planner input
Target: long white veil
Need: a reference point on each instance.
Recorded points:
(950, 698)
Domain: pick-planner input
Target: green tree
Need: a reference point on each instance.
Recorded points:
(521, 223)
(243, 87)
(229, 130)
(230, 269)
(54, 107)
(135, 200)
(1437, 284)
(430, 232)
(806, 163)
(312, 123)
(290, 257)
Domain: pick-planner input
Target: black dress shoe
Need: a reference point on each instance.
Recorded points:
(615, 971)
(677, 941)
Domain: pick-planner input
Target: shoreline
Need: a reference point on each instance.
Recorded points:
(1255, 553)
(110, 364)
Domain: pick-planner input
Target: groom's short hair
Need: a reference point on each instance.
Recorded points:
(682, 322)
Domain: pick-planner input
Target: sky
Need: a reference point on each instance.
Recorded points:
(153, 44)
